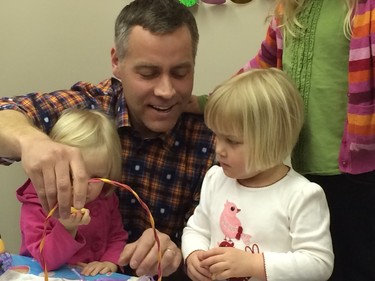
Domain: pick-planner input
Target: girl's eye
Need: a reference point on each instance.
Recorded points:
(233, 142)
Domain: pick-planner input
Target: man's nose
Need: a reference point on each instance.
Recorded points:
(164, 87)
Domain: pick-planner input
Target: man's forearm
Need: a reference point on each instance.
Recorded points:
(15, 129)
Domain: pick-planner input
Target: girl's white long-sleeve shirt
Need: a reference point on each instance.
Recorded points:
(287, 221)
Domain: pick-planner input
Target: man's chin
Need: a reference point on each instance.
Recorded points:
(160, 128)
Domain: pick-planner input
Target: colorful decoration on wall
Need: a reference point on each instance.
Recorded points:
(217, 2)
(189, 3)
(241, 1)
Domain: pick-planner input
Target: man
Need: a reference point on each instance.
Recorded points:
(165, 152)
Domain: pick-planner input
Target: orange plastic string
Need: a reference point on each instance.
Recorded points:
(144, 206)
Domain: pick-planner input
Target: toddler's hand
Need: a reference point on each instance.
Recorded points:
(76, 218)
(85, 218)
(97, 267)
(194, 267)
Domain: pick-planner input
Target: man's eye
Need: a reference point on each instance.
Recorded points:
(180, 73)
(148, 75)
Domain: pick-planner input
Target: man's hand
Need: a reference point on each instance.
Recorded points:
(57, 172)
(142, 255)
(54, 169)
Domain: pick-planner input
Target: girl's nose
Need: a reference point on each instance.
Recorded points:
(219, 149)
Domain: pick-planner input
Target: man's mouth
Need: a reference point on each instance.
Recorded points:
(162, 108)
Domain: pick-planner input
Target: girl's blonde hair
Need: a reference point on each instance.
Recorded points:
(90, 130)
(287, 11)
(264, 108)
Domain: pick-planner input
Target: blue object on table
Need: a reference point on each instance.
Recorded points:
(30, 266)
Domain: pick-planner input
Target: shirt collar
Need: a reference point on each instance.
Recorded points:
(122, 112)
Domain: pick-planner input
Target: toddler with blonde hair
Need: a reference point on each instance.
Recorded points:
(257, 217)
(91, 238)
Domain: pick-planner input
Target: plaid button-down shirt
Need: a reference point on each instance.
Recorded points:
(166, 172)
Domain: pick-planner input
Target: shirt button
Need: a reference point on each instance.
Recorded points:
(344, 163)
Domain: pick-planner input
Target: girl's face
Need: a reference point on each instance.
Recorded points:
(231, 153)
(96, 167)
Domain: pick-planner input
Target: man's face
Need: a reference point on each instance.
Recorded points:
(157, 75)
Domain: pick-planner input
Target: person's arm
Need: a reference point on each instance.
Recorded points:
(117, 237)
(265, 58)
(16, 129)
(59, 245)
(116, 241)
(270, 52)
(196, 104)
(196, 237)
(53, 168)
(311, 256)
(197, 232)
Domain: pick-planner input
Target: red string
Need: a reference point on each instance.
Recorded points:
(117, 184)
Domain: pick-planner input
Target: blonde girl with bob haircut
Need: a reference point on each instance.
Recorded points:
(257, 218)
(91, 238)
(268, 124)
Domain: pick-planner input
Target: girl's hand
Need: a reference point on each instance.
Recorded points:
(76, 218)
(227, 262)
(194, 268)
(97, 267)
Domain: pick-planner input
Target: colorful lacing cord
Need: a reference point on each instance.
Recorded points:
(120, 185)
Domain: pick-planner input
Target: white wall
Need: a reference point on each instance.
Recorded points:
(51, 44)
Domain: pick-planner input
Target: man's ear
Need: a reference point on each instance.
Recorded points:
(115, 63)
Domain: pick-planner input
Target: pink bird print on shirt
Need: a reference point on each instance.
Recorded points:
(231, 225)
